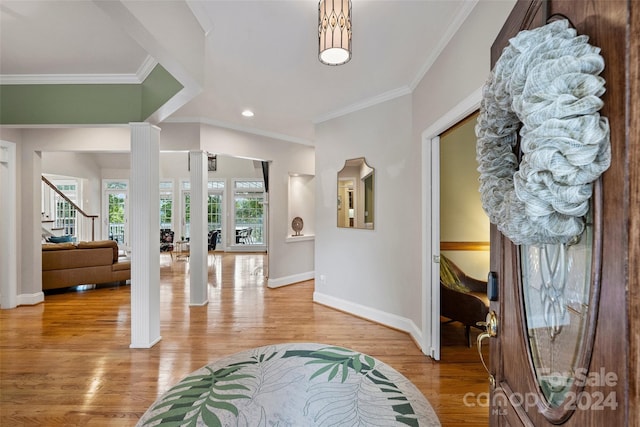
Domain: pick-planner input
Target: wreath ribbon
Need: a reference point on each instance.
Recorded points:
(546, 86)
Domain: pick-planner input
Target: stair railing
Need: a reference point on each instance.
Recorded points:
(75, 222)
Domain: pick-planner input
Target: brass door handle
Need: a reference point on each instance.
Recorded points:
(491, 326)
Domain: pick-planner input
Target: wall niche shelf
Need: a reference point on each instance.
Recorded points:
(301, 207)
(303, 238)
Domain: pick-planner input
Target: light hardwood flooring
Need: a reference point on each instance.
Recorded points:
(67, 361)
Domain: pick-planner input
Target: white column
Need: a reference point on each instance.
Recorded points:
(144, 217)
(30, 224)
(8, 231)
(198, 229)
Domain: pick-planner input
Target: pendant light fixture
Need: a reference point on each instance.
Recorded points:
(334, 31)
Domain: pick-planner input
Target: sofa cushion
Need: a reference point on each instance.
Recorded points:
(121, 266)
(57, 246)
(76, 258)
(101, 244)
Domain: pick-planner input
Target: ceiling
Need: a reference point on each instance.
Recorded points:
(232, 55)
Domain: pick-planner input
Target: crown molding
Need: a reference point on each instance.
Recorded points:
(78, 79)
(146, 68)
(461, 15)
(239, 128)
(65, 126)
(71, 79)
(200, 13)
(378, 99)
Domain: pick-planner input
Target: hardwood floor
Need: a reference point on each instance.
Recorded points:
(67, 361)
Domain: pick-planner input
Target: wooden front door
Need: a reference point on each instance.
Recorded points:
(561, 356)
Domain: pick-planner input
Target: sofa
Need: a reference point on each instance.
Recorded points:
(71, 264)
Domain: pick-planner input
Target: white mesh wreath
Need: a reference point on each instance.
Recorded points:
(546, 83)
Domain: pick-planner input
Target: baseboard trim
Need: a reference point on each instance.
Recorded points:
(386, 319)
(31, 299)
(246, 248)
(148, 345)
(290, 280)
(200, 304)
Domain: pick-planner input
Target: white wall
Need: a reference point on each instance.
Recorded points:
(373, 273)
(377, 274)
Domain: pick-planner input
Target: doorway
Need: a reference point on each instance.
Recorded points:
(431, 220)
(464, 234)
(116, 195)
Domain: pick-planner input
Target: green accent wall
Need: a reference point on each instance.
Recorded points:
(158, 88)
(86, 103)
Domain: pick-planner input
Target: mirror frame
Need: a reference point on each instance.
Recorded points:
(356, 204)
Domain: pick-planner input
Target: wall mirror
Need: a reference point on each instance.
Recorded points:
(356, 194)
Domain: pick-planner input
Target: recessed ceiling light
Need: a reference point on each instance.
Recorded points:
(247, 113)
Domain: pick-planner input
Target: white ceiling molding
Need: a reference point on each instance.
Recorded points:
(245, 129)
(67, 126)
(79, 79)
(378, 99)
(198, 10)
(75, 79)
(146, 68)
(463, 12)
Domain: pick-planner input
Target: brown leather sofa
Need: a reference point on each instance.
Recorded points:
(72, 264)
(462, 298)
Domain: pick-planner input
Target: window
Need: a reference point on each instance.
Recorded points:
(166, 205)
(116, 193)
(186, 209)
(65, 212)
(214, 206)
(115, 185)
(249, 211)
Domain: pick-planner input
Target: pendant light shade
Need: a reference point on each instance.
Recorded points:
(334, 31)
